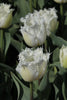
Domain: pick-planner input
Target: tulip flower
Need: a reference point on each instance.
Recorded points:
(60, 1)
(33, 31)
(50, 19)
(63, 56)
(38, 25)
(5, 15)
(32, 64)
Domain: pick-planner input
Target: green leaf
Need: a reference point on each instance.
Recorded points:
(13, 30)
(4, 67)
(56, 92)
(63, 91)
(65, 18)
(16, 44)
(61, 69)
(56, 55)
(23, 8)
(26, 90)
(58, 41)
(7, 41)
(44, 82)
(19, 37)
(52, 76)
(41, 3)
(17, 85)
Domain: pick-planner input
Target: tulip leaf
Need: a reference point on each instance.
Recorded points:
(56, 55)
(66, 18)
(18, 45)
(17, 85)
(43, 83)
(41, 3)
(22, 9)
(52, 76)
(5, 67)
(58, 41)
(19, 37)
(7, 41)
(63, 91)
(56, 92)
(26, 90)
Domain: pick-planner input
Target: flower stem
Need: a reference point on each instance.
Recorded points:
(45, 45)
(30, 3)
(61, 10)
(62, 17)
(34, 3)
(1, 41)
(31, 90)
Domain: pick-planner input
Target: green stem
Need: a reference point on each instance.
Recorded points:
(34, 3)
(62, 17)
(45, 45)
(61, 10)
(31, 90)
(30, 3)
(1, 41)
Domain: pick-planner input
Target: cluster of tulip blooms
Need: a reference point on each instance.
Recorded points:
(37, 26)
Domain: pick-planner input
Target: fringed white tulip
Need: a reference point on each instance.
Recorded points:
(32, 64)
(5, 15)
(38, 25)
(63, 56)
(60, 1)
(50, 19)
(33, 31)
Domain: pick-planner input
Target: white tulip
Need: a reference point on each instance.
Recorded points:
(63, 56)
(50, 19)
(38, 25)
(60, 1)
(32, 64)
(5, 15)
(33, 31)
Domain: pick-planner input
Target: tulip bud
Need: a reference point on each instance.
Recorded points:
(60, 1)
(63, 56)
(5, 15)
(32, 64)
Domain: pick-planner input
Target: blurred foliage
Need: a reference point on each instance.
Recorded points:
(54, 83)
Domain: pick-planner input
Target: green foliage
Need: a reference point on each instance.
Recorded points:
(54, 82)
(41, 3)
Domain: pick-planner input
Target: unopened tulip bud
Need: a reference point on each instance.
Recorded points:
(63, 56)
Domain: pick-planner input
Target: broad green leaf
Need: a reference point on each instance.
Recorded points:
(16, 44)
(56, 55)
(17, 85)
(26, 90)
(52, 76)
(4, 67)
(58, 41)
(23, 8)
(44, 82)
(35, 88)
(7, 42)
(41, 3)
